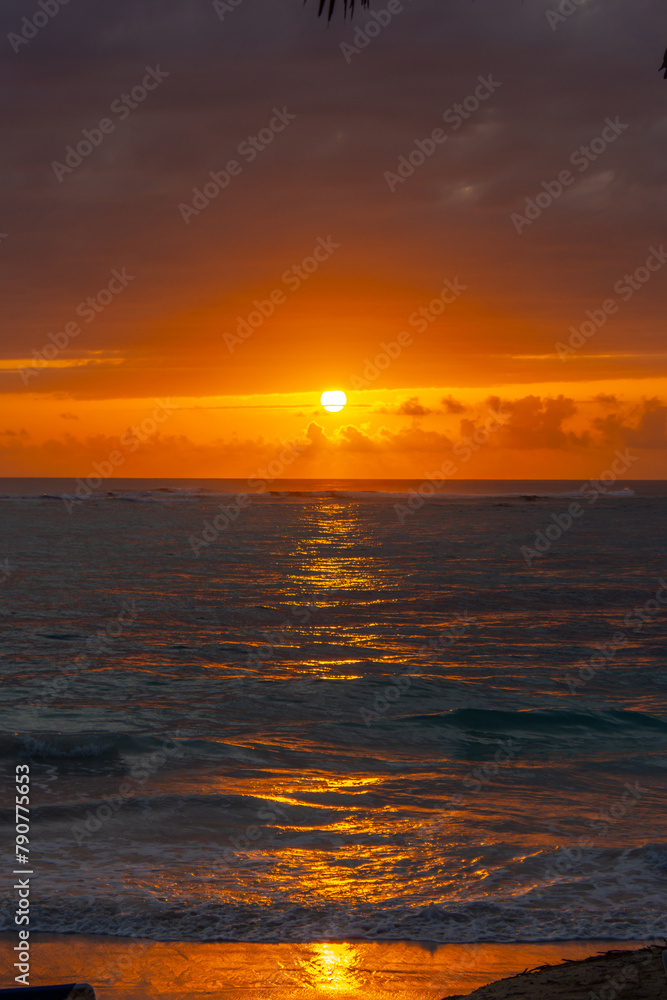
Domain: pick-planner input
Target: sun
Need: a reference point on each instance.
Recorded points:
(333, 400)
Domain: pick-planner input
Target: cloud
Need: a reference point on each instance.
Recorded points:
(452, 405)
(177, 455)
(385, 441)
(605, 399)
(648, 430)
(523, 426)
(408, 408)
(413, 408)
(158, 456)
(415, 439)
(535, 422)
(68, 416)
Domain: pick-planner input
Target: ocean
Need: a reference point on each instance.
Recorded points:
(338, 710)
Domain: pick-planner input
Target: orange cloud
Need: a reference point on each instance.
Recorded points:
(538, 436)
(452, 405)
(409, 408)
(650, 430)
(536, 423)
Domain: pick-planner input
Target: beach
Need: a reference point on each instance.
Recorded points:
(123, 969)
(639, 974)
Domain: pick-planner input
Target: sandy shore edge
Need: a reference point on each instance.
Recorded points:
(628, 975)
(125, 968)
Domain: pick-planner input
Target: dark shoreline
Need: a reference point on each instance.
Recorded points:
(639, 975)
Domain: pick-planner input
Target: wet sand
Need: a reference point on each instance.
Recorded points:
(127, 969)
(639, 975)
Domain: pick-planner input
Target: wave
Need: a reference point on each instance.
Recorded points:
(47, 745)
(479, 921)
(626, 902)
(540, 721)
(168, 494)
(42, 745)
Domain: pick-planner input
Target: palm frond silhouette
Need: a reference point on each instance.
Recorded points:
(348, 5)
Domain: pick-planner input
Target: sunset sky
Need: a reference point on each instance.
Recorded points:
(571, 112)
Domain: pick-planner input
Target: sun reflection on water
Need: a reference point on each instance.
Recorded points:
(334, 968)
(327, 555)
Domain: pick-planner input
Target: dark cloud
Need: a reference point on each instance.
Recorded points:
(607, 399)
(452, 405)
(413, 408)
(408, 408)
(533, 422)
(643, 427)
(352, 439)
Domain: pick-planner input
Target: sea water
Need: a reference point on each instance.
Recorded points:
(347, 715)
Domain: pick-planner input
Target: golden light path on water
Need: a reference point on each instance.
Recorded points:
(330, 561)
(361, 859)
